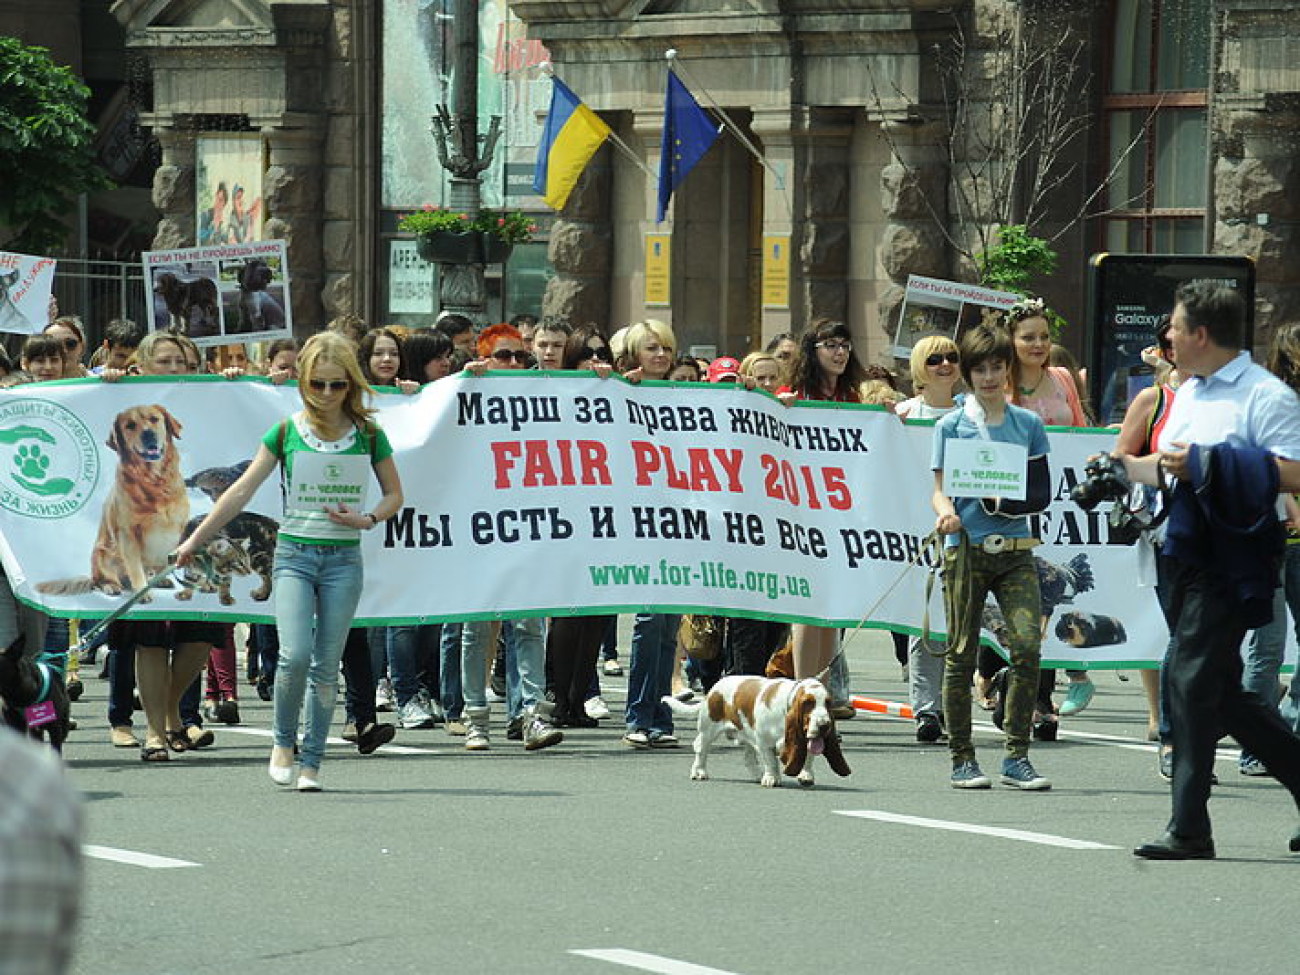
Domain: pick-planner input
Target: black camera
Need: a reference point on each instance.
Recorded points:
(1130, 515)
(1105, 480)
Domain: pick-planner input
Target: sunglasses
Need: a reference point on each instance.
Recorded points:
(333, 385)
(938, 357)
(834, 347)
(601, 354)
(505, 355)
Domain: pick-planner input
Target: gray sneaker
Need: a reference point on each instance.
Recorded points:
(476, 738)
(413, 715)
(1019, 774)
(967, 775)
(539, 734)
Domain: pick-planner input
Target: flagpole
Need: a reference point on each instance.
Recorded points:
(548, 69)
(673, 62)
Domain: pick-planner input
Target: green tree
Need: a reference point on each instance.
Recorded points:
(46, 148)
(1016, 259)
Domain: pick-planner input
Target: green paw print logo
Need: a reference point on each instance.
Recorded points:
(49, 461)
(32, 466)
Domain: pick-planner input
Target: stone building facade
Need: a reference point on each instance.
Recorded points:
(298, 72)
(845, 99)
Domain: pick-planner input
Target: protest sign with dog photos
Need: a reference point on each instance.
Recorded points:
(932, 306)
(26, 284)
(545, 494)
(222, 294)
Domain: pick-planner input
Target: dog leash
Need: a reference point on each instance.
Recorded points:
(932, 542)
(92, 634)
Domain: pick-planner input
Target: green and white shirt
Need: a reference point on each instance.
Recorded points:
(294, 436)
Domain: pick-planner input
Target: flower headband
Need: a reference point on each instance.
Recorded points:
(1027, 308)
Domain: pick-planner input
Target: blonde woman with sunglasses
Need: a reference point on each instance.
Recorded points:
(318, 573)
(936, 373)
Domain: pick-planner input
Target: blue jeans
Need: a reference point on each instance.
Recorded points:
(525, 661)
(525, 664)
(650, 674)
(397, 646)
(1274, 633)
(317, 588)
(449, 686)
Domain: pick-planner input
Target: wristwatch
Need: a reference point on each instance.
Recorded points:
(373, 520)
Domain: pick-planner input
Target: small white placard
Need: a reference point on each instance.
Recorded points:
(984, 469)
(329, 479)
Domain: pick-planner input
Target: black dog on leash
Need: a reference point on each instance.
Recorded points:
(30, 689)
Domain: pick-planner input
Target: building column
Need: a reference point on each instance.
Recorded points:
(647, 134)
(914, 199)
(819, 277)
(581, 247)
(173, 186)
(772, 128)
(291, 188)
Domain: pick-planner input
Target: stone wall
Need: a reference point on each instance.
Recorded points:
(1255, 120)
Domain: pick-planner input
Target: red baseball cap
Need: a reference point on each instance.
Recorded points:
(723, 368)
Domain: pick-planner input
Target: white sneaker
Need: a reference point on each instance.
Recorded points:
(429, 704)
(413, 715)
(384, 695)
(308, 781)
(597, 709)
(476, 739)
(613, 668)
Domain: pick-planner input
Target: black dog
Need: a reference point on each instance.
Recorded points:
(258, 311)
(1090, 630)
(191, 303)
(25, 682)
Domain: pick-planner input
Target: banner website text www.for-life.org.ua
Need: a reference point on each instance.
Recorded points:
(709, 574)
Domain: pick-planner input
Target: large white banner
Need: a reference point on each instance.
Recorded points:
(536, 495)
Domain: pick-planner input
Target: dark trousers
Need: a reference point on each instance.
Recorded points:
(1207, 700)
(572, 646)
(749, 643)
(358, 678)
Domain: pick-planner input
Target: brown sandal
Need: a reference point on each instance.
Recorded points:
(178, 740)
(153, 754)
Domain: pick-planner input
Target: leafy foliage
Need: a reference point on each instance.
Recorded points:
(46, 148)
(1016, 259)
(511, 226)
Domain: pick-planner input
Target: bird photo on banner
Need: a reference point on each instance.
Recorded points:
(689, 131)
(572, 134)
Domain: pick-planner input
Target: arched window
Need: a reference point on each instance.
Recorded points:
(1155, 111)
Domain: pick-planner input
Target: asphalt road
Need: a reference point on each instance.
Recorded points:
(425, 858)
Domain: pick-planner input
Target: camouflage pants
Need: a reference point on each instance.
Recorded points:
(1013, 581)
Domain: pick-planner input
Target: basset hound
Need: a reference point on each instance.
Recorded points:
(779, 724)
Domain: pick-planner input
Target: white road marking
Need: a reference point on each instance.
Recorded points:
(1119, 741)
(134, 858)
(390, 749)
(647, 963)
(1046, 839)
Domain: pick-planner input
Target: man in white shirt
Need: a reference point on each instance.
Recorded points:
(1227, 400)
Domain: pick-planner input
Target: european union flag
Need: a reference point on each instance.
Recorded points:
(688, 134)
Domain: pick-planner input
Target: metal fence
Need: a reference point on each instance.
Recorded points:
(98, 292)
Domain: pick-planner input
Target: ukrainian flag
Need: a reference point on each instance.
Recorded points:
(571, 137)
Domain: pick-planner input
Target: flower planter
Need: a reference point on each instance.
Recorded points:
(471, 247)
(446, 247)
(496, 250)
